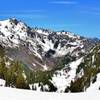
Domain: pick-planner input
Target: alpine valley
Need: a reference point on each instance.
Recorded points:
(44, 60)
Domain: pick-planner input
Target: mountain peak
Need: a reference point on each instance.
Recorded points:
(62, 52)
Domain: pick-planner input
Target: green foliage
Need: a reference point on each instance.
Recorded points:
(90, 69)
(31, 77)
(10, 78)
(20, 82)
(83, 83)
(15, 76)
(3, 69)
(77, 86)
(41, 76)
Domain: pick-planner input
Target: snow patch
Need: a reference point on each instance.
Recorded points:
(95, 86)
(2, 82)
(45, 67)
(62, 79)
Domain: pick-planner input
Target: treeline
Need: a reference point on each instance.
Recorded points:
(18, 75)
(90, 67)
(13, 73)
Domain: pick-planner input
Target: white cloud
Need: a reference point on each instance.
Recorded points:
(64, 2)
(36, 16)
(21, 11)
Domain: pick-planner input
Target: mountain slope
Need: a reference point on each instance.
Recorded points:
(38, 44)
(44, 60)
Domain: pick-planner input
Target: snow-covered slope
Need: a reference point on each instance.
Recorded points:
(40, 43)
(2, 82)
(63, 78)
(16, 94)
(95, 86)
(11, 31)
(63, 54)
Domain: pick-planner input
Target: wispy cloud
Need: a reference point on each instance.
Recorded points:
(24, 13)
(21, 16)
(21, 11)
(90, 10)
(64, 2)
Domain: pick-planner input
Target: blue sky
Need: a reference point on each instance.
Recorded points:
(78, 16)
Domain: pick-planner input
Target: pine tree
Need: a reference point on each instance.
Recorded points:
(10, 78)
(20, 82)
(3, 69)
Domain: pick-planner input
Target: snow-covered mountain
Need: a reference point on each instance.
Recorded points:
(52, 61)
(38, 43)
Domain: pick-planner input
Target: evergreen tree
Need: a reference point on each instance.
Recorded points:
(20, 82)
(10, 78)
(3, 69)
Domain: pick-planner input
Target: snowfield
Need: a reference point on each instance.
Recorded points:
(18, 94)
(7, 93)
(62, 79)
(2, 82)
